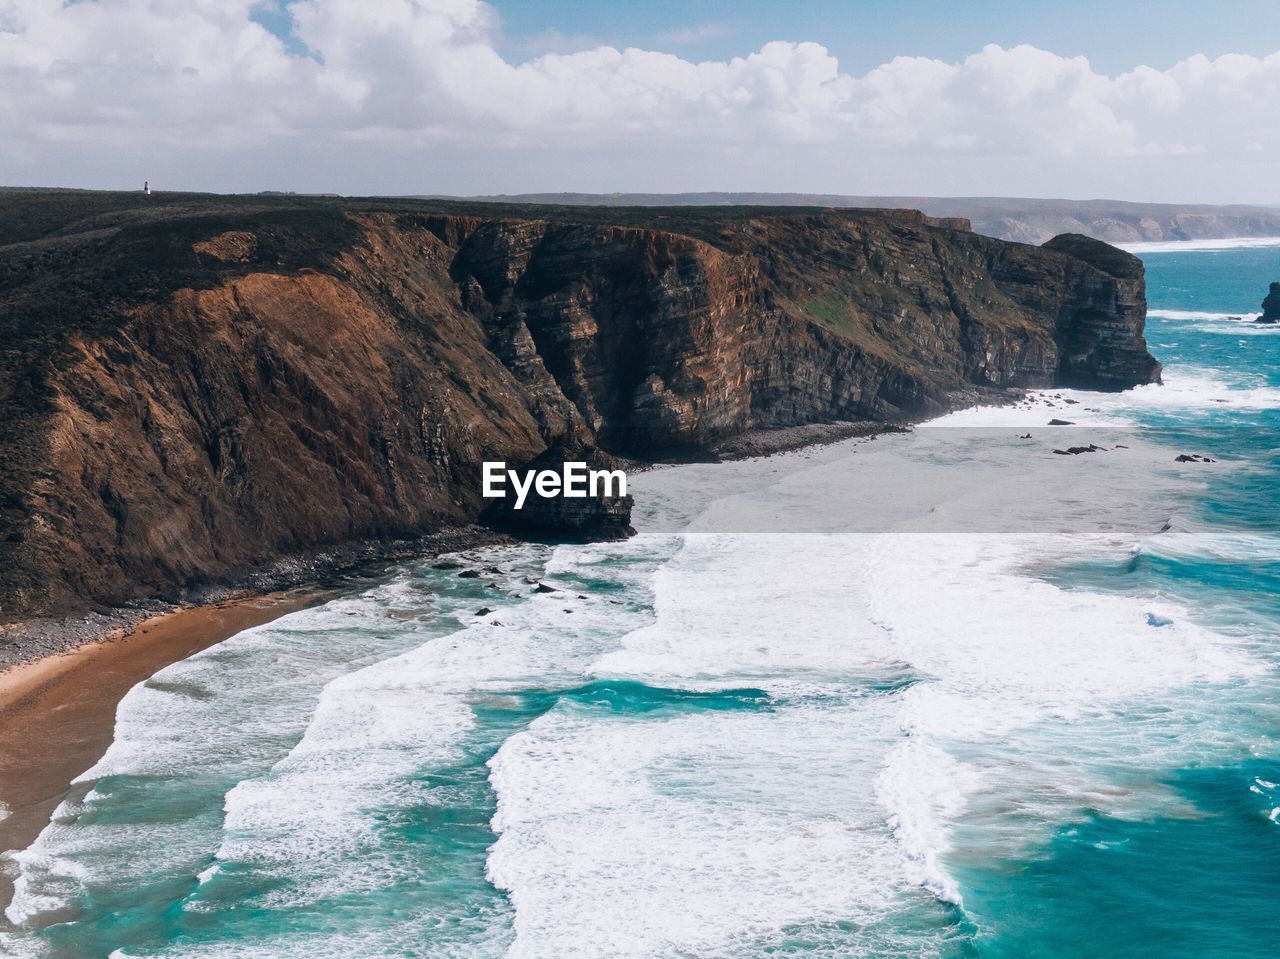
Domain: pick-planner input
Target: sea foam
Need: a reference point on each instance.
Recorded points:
(325, 832)
(813, 692)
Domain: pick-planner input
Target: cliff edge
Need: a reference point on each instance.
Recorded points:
(192, 385)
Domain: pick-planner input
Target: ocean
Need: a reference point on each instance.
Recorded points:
(946, 694)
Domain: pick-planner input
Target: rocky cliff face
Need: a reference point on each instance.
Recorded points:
(192, 385)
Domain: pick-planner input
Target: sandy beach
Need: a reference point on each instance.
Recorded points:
(57, 714)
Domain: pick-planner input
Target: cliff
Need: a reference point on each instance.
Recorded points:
(192, 385)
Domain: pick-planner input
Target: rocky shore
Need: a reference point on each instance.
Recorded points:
(785, 439)
(319, 571)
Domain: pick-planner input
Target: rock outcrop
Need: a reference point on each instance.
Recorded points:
(192, 385)
(1271, 306)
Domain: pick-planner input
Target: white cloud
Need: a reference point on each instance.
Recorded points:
(413, 96)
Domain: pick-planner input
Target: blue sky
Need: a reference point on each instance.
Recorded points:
(1114, 34)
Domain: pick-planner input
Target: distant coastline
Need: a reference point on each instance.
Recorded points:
(1022, 220)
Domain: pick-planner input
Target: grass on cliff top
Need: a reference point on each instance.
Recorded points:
(32, 214)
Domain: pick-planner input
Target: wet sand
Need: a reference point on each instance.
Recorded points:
(57, 715)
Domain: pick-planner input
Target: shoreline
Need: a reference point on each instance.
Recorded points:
(59, 688)
(757, 444)
(57, 714)
(38, 638)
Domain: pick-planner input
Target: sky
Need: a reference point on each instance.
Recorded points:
(1173, 101)
(1114, 36)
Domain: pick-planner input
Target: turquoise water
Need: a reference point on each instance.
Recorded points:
(788, 735)
(1201, 883)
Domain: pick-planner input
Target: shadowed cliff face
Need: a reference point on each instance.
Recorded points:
(202, 384)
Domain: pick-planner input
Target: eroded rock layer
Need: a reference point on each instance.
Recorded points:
(195, 385)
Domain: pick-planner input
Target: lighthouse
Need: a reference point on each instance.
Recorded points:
(146, 187)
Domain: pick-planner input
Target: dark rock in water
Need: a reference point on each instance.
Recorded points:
(469, 574)
(1061, 423)
(493, 570)
(483, 611)
(1271, 306)
(584, 518)
(1193, 458)
(446, 564)
(544, 588)
(1025, 436)
(1077, 450)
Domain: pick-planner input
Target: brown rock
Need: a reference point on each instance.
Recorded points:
(195, 385)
